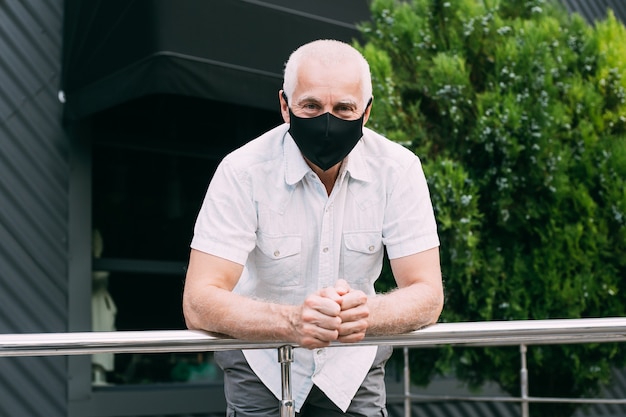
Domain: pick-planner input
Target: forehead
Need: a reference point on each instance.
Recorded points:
(339, 81)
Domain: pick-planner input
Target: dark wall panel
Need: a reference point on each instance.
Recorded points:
(33, 203)
(594, 10)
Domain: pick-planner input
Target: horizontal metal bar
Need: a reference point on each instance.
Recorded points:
(493, 333)
(479, 398)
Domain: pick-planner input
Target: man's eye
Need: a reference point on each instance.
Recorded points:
(345, 109)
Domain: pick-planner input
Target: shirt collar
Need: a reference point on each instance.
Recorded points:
(296, 167)
(355, 164)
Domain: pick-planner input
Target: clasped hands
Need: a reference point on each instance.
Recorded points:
(336, 313)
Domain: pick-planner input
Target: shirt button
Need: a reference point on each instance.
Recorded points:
(277, 253)
(320, 351)
(371, 248)
(325, 250)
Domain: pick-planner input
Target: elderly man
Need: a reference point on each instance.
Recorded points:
(290, 240)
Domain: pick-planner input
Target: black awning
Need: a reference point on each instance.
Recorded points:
(224, 50)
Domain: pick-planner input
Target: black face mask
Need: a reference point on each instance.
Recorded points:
(325, 140)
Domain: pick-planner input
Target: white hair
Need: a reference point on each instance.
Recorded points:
(329, 52)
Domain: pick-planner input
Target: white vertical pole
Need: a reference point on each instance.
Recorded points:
(407, 384)
(285, 357)
(524, 381)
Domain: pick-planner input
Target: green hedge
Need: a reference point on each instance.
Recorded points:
(518, 112)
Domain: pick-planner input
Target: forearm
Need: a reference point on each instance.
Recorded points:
(209, 304)
(221, 311)
(404, 310)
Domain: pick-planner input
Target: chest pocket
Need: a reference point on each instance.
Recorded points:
(279, 260)
(362, 258)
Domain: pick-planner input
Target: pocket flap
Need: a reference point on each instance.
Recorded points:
(279, 247)
(364, 242)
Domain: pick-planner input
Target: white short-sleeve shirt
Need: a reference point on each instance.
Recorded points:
(267, 210)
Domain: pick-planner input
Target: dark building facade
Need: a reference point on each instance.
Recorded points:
(113, 116)
(34, 195)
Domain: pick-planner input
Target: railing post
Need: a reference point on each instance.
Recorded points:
(285, 357)
(407, 384)
(524, 381)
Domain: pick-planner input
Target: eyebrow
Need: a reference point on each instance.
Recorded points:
(315, 100)
(309, 99)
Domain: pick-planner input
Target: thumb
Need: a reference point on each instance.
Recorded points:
(342, 287)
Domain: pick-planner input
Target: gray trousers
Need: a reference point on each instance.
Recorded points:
(247, 396)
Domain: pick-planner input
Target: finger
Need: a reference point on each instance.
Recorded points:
(353, 299)
(317, 329)
(315, 335)
(360, 312)
(331, 294)
(342, 287)
(352, 331)
(313, 319)
(313, 343)
(324, 302)
(352, 338)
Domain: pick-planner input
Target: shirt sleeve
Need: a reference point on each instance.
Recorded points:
(409, 225)
(226, 224)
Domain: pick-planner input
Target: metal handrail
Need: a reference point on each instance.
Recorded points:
(493, 333)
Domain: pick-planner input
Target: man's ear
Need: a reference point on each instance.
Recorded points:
(284, 105)
(368, 109)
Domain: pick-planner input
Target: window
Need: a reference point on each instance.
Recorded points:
(144, 208)
(151, 162)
